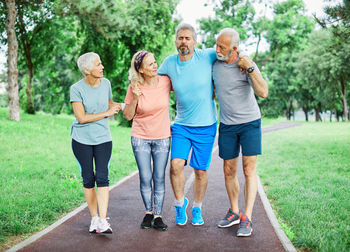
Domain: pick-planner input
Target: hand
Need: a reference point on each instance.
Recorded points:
(114, 109)
(245, 62)
(136, 90)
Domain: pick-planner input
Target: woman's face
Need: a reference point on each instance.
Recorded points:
(149, 66)
(97, 69)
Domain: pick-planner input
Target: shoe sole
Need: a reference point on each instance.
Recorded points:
(145, 227)
(230, 224)
(197, 224)
(161, 229)
(244, 235)
(105, 232)
(92, 232)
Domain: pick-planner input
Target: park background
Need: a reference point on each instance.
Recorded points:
(305, 59)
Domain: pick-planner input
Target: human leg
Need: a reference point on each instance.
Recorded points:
(102, 155)
(84, 156)
(160, 154)
(142, 153)
(251, 183)
(231, 182)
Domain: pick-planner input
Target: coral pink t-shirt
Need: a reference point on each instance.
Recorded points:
(152, 112)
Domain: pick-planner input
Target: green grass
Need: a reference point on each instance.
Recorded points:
(39, 177)
(271, 121)
(306, 173)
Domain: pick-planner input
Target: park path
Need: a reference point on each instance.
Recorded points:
(126, 212)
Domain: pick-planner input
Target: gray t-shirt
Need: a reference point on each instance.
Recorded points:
(95, 100)
(235, 94)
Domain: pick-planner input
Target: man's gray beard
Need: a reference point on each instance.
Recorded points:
(184, 52)
(221, 57)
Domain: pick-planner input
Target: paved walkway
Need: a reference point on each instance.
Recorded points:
(126, 211)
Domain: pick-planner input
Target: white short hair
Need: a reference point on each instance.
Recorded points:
(86, 61)
(235, 36)
(185, 26)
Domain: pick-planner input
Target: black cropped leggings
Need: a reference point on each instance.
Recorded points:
(101, 154)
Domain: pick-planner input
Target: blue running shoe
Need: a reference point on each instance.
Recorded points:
(197, 219)
(181, 216)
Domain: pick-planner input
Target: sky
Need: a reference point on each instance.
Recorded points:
(192, 10)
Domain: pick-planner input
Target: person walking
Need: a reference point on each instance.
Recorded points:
(147, 103)
(190, 72)
(240, 124)
(92, 103)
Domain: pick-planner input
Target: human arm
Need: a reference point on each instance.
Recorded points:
(259, 84)
(82, 117)
(130, 108)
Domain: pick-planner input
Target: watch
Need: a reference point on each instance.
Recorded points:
(250, 69)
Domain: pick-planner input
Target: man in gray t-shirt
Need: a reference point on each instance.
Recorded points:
(236, 78)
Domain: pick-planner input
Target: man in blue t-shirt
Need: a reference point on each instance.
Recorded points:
(190, 72)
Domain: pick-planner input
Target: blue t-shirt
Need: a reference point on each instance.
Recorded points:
(95, 100)
(192, 83)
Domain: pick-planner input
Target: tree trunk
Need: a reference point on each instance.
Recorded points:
(306, 112)
(345, 104)
(12, 71)
(29, 90)
(317, 112)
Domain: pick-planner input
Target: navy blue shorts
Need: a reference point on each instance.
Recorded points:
(245, 135)
(201, 139)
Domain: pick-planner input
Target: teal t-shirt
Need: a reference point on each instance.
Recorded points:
(192, 83)
(95, 100)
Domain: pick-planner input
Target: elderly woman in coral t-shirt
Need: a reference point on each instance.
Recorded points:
(147, 103)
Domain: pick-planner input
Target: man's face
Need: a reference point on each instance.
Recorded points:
(184, 42)
(223, 47)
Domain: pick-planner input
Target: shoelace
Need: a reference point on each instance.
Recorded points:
(229, 214)
(178, 211)
(243, 223)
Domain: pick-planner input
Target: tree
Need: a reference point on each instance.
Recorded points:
(12, 60)
(238, 14)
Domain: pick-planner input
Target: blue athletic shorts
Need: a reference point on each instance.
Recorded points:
(201, 139)
(245, 135)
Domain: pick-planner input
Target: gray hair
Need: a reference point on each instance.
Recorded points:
(235, 36)
(86, 61)
(185, 26)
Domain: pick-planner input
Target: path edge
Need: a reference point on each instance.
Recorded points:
(286, 243)
(43, 232)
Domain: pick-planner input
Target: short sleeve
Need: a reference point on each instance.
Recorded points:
(212, 54)
(75, 95)
(129, 96)
(110, 94)
(163, 69)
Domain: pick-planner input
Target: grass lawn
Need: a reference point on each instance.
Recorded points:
(306, 174)
(40, 179)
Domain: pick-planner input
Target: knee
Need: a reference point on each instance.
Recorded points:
(230, 171)
(201, 175)
(177, 166)
(249, 170)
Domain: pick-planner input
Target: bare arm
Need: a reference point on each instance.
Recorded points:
(259, 84)
(130, 109)
(82, 117)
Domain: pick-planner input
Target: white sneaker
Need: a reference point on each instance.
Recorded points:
(104, 227)
(94, 223)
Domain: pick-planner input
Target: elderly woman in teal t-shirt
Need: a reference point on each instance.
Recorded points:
(91, 98)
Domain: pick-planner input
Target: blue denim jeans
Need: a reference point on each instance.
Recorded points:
(158, 151)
